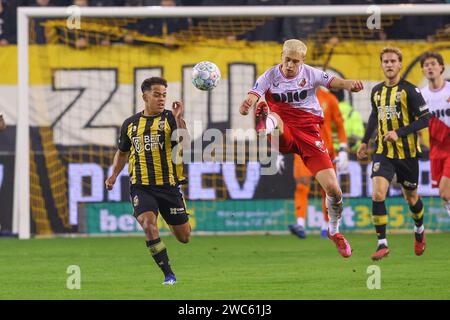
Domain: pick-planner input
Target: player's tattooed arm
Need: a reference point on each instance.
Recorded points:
(248, 103)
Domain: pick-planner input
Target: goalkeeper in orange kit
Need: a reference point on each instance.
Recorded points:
(303, 177)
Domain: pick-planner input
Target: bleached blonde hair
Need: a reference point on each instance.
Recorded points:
(294, 45)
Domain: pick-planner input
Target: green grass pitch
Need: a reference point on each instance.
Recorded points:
(224, 267)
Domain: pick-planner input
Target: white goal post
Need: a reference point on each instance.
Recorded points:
(21, 206)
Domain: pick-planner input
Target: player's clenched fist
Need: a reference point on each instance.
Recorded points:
(362, 151)
(356, 86)
(110, 182)
(245, 106)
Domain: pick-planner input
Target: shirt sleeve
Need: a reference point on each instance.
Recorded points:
(417, 103)
(320, 78)
(261, 85)
(373, 120)
(124, 143)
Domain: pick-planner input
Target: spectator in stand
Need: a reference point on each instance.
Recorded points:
(4, 26)
(157, 27)
(271, 30)
(303, 27)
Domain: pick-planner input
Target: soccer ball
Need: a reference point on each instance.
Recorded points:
(205, 76)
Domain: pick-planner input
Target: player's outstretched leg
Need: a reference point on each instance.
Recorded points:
(417, 211)
(380, 220)
(328, 180)
(155, 245)
(261, 113)
(335, 208)
(266, 122)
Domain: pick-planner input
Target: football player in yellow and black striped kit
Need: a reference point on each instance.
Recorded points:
(146, 142)
(398, 112)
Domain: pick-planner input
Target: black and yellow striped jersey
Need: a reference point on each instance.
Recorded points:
(395, 109)
(148, 139)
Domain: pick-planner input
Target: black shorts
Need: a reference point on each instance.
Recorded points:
(167, 200)
(407, 170)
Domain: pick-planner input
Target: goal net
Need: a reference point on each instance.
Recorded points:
(78, 83)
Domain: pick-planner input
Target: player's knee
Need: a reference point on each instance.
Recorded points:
(184, 238)
(378, 196)
(412, 199)
(333, 190)
(444, 194)
(149, 228)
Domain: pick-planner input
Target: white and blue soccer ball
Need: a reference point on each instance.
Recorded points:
(205, 76)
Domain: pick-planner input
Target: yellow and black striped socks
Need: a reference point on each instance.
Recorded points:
(158, 251)
(417, 211)
(379, 218)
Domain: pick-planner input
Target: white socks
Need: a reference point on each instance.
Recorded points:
(382, 241)
(447, 206)
(301, 222)
(271, 124)
(334, 206)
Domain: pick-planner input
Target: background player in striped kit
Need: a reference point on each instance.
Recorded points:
(155, 178)
(399, 112)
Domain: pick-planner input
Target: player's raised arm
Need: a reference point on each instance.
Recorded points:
(248, 103)
(178, 112)
(349, 85)
(182, 131)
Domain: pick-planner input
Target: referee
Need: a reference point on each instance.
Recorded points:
(155, 178)
(398, 112)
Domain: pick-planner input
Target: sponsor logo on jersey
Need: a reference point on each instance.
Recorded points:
(441, 113)
(290, 97)
(388, 112)
(325, 75)
(151, 142)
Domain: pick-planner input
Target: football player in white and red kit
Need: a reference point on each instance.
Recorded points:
(437, 97)
(289, 89)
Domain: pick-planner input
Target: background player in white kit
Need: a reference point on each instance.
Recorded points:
(437, 97)
(289, 90)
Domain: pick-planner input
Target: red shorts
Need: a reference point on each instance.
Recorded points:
(309, 145)
(439, 168)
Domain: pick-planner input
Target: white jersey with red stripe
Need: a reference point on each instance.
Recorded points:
(293, 99)
(438, 102)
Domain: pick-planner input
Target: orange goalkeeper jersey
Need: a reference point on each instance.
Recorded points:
(331, 114)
